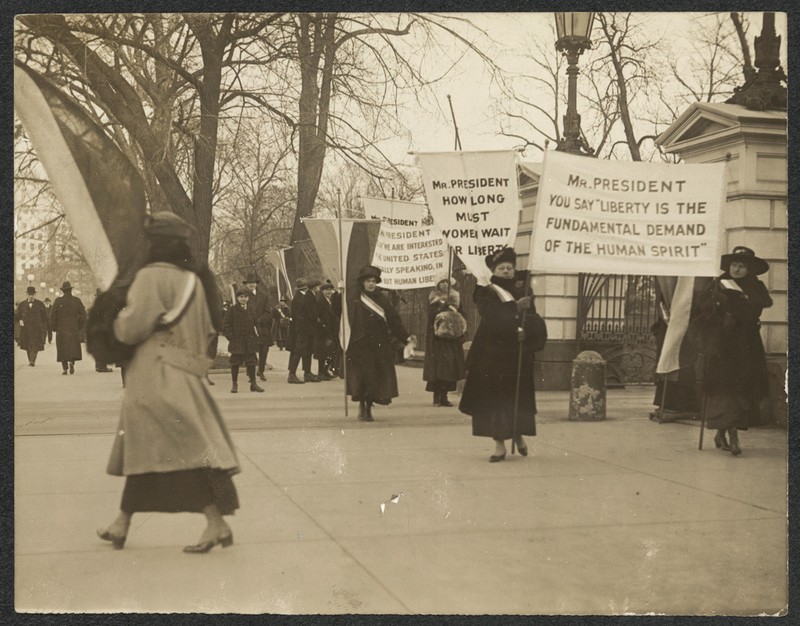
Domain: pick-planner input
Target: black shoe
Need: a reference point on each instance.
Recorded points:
(294, 380)
(322, 377)
(234, 388)
(118, 541)
(310, 378)
(261, 376)
(71, 368)
(31, 364)
(521, 447)
(64, 373)
(734, 437)
(362, 411)
(205, 546)
(436, 400)
(720, 441)
(443, 401)
(497, 457)
(103, 370)
(255, 387)
(368, 417)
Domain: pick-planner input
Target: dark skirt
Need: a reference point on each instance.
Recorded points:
(726, 411)
(499, 424)
(441, 385)
(185, 491)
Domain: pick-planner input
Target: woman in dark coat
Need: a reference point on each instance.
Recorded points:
(444, 357)
(490, 388)
(30, 322)
(239, 329)
(326, 341)
(281, 317)
(734, 364)
(67, 320)
(374, 327)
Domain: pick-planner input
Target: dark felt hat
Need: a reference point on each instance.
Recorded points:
(369, 271)
(300, 283)
(167, 224)
(313, 282)
(252, 277)
(66, 285)
(327, 285)
(748, 257)
(504, 255)
(31, 291)
(243, 290)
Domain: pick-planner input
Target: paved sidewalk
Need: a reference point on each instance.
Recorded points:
(404, 515)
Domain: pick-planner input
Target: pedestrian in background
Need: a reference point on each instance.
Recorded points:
(262, 316)
(240, 331)
(734, 364)
(444, 352)
(302, 331)
(375, 327)
(67, 320)
(48, 307)
(490, 389)
(32, 325)
(281, 315)
(172, 444)
(327, 339)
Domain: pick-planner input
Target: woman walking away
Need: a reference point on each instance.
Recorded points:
(444, 350)
(172, 445)
(374, 327)
(734, 364)
(493, 360)
(240, 331)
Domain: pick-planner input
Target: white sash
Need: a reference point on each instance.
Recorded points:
(373, 306)
(173, 314)
(502, 293)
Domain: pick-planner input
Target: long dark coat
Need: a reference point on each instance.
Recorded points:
(370, 355)
(733, 361)
(490, 388)
(262, 315)
(67, 320)
(32, 334)
(444, 358)
(281, 315)
(239, 330)
(303, 326)
(327, 337)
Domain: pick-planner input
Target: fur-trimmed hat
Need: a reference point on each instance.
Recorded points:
(748, 257)
(31, 291)
(504, 255)
(369, 271)
(252, 277)
(167, 224)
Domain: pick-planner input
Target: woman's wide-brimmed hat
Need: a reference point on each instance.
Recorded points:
(444, 278)
(369, 271)
(66, 285)
(748, 257)
(504, 255)
(167, 224)
(252, 277)
(31, 291)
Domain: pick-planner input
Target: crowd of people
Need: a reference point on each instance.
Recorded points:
(172, 445)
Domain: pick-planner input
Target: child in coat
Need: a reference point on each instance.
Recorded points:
(240, 331)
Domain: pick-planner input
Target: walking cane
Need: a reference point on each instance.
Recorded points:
(520, 337)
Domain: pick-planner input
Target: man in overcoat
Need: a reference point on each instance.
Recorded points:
(262, 317)
(32, 324)
(67, 320)
(302, 330)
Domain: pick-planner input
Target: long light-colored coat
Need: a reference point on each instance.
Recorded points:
(169, 420)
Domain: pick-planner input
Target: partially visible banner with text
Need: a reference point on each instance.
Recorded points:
(622, 217)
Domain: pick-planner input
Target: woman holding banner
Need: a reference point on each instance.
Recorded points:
(734, 364)
(375, 327)
(500, 361)
(444, 342)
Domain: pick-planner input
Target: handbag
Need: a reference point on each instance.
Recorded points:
(449, 324)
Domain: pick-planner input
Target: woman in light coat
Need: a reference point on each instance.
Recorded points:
(172, 444)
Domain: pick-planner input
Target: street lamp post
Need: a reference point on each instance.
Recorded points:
(573, 30)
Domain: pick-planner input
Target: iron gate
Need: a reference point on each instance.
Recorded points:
(616, 314)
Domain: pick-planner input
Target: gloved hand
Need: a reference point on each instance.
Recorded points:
(524, 303)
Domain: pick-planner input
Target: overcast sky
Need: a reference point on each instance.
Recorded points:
(469, 84)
